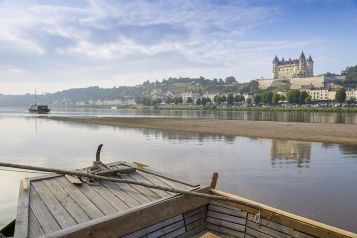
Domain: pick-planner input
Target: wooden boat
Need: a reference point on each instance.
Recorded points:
(38, 108)
(66, 206)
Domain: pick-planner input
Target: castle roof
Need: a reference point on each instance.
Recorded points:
(309, 59)
(302, 56)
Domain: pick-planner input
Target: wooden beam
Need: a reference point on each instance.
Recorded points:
(134, 219)
(22, 217)
(214, 180)
(298, 223)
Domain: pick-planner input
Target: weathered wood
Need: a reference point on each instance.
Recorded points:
(174, 233)
(256, 233)
(67, 201)
(267, 230)
(165, 223)
(114, 172)
(83, 201)
(35, 229)
(154, 180)
(219, 207)
(131, 191)
(22, 217)
(209, 235)
(214, 180)
(134, 219)
(73, 179)
(273, 225)
(142, 184)
(43, 215)
(166, 230)
(63, 218)
(153, 193)
(110, 197)
(226, 224)
(222, 216)
(225, 230)
(97, 199)
(298, 223)
(128, 200)
(143, 178)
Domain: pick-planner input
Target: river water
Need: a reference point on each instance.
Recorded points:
(315, 180)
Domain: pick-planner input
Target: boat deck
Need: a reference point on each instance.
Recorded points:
(51, 203)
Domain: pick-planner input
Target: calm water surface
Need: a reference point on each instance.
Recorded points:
(313, 117)
(315, 180)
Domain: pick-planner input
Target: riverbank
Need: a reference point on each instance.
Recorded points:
(314, 132)
(261, 109)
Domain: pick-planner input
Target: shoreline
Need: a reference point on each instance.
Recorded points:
(299, 131)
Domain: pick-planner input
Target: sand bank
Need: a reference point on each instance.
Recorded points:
(316, 132)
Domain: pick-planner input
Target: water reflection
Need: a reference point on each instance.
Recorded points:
(297, 116)
(290, 152)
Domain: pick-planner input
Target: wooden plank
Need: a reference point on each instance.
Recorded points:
(110, 197)
(222, 216)
(154, 180)
(267, 230)
(227, 210)
(195, 224)
(61, 215)
(256, 233)
(225, 230)
(135, 219)
(97, 199)
(67, 201)
(73, 179)
(22, 218)
(143, 178)
(35, 229)
(273, 225)
(167, 229)
(128, 200)
(132, 192)
(227, 224)
(144, 191)
(43, 215)
(301, 224)
(194, 211)
(174, 233)
(165, 223)
(153, 193)
(173, 184)
(159, 174)
(195, 217)
(83, 201)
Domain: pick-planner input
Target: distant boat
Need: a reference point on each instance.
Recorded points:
(38, 108)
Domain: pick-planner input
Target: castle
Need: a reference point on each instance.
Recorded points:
(296, 68)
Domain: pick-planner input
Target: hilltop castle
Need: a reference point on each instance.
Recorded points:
(296, 68)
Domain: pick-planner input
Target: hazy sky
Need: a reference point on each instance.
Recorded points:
(52, 45)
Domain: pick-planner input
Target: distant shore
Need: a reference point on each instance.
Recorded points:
(314, 132)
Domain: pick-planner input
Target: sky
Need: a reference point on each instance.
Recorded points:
(55, 45)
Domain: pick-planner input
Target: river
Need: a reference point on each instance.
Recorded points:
(314, 180)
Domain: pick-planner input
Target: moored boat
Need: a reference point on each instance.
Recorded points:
(35, 108)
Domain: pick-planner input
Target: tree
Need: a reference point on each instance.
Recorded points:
(230, 80)
(217, 99)
(303, 95)
(230, 99)
(308, 99)
(282, 98)
(198, 101)
(267, 97)
(276, 98)
(239, 98)
(340, 95)
(293, 96)
(208, 100)
(257, 98)
(189, 100)
(178, 100)
(223, 98)
(249, 100)
(204, 101)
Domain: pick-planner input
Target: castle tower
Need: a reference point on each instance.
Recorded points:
(275, 67)
(302, 65)
(310, 67)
